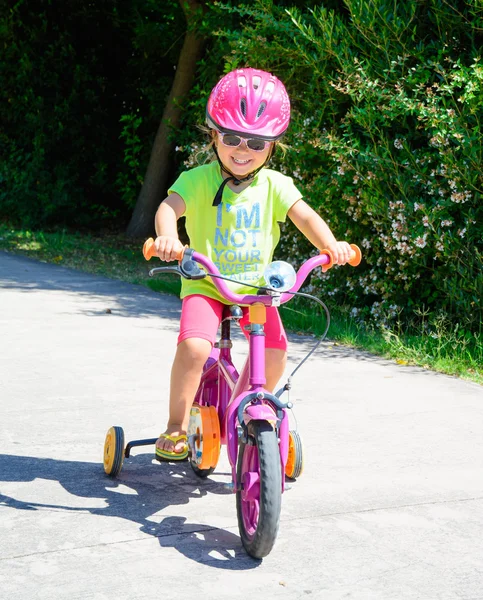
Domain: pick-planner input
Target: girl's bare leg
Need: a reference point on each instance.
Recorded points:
(186, 371)
(191, 355)
(275, 361)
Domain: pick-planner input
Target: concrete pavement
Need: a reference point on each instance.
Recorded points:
(390, 505)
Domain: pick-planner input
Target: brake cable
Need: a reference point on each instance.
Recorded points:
(302, 294)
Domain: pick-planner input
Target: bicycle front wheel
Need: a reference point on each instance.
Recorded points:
(259, 497)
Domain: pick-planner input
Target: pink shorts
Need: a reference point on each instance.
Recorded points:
(201, 317)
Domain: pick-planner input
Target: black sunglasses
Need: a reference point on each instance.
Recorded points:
(232, 140)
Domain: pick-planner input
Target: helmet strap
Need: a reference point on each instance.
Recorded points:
(236, 180)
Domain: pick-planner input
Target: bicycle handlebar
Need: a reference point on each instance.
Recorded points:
(188, 255)
(149, 250)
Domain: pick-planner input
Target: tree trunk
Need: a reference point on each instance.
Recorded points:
(155, 181)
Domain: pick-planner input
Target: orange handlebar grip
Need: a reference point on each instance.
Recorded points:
(149, 250)
(356, 256)
(355, 259)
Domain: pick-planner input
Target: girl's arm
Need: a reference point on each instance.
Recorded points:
(316, 230)
(167, 243)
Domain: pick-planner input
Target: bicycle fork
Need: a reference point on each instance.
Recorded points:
(256, 403)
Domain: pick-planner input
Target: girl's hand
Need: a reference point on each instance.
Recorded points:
(168, 248)
(341, 252)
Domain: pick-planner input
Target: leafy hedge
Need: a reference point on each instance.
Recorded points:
(386, 144)
(385, 140)
(74, 78)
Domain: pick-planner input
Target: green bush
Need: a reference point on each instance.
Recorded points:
(71, 74)
(385, 140)
(385, 143)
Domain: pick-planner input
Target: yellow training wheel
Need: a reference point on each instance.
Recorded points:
(295, 460)
(114, 451)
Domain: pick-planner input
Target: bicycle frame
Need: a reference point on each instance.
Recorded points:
(221, 386)
(241, 398)
(236, 409)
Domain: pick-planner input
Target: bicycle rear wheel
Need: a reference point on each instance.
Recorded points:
(204, 437)
(259, 501)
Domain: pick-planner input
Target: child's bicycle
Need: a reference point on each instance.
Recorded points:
(235, 410)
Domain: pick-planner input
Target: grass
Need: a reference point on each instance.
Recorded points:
(447, 349)
(111, 255)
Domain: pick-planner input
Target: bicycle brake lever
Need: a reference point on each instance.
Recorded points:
(189, 268)
(174, 269)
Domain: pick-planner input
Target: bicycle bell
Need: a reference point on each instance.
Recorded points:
(280, 276)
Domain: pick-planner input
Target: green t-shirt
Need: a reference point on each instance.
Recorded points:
(241, 233)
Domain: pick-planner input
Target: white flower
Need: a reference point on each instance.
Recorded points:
(446, 223)
(459, 197)
(403, 247)
(421, 241)
(398, 144)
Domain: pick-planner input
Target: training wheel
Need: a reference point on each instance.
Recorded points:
(114, 451)
(204, 438)
(295, 460)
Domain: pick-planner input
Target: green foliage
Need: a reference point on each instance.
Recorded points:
(385, 140)
(69, 74)
(189, 140)
(385, 143)
(130, 180)
(406, 157)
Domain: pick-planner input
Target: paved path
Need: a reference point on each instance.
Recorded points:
(390, 505)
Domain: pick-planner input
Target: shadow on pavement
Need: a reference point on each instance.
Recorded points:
(123, 299)
(151, 488)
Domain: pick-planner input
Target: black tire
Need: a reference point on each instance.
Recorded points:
(258, 535)
(202, 473)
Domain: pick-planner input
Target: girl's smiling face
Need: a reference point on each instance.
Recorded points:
(240, 160)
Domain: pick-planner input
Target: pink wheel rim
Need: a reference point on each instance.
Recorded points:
(250, 498)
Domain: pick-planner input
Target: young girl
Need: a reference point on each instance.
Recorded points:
(233, 207)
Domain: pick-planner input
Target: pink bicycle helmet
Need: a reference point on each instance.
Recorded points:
(249, 102)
